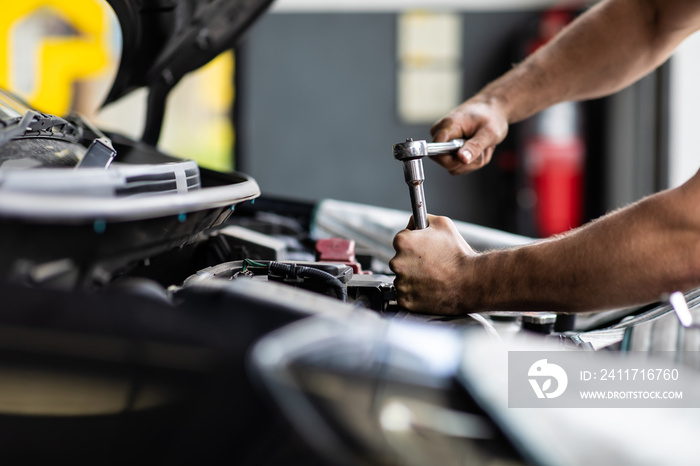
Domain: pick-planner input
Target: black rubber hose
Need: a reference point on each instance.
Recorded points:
(294, 271)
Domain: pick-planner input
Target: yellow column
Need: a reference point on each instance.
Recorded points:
(60, 60)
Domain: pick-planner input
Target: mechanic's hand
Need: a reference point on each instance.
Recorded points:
(432, 267)
(482, 122)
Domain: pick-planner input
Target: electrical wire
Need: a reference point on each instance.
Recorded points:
(293, 271)
(251, 263)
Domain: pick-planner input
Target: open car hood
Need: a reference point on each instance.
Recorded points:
(165, 39)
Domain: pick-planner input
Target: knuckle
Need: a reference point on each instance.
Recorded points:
(503, 128)
(401, 300)
(443, 221)
(396, 266)
(442, 124)
(498, 131)
(400, 241)
(405, 301)
(392, 265)
(489, 133)
(494, 131)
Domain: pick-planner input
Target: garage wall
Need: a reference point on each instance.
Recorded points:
(316, 115)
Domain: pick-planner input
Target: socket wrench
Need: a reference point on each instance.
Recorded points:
(411, 153)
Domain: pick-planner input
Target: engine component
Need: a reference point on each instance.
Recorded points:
(335, 250)
(323, 278)
(251, 244)
(338, 250)
(376, 292)
(539, 322)
(295, 273)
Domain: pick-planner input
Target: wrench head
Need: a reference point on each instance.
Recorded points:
(410, 150)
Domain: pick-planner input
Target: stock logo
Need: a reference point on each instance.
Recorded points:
(541, 375)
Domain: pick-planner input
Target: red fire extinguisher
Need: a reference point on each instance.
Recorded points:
(555, 151)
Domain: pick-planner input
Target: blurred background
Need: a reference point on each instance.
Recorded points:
(317, 92)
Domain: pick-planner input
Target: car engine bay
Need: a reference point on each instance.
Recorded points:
(156, 310)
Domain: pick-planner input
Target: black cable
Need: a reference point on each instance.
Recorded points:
(294, 271)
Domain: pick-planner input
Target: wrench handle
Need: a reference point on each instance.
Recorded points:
(449, 147)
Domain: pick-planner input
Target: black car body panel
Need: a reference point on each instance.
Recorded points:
(165, 39)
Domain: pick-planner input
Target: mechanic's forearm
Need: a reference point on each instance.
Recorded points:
(607, 48)
(629, 257)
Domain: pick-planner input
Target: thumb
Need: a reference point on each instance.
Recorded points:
(476, 145)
